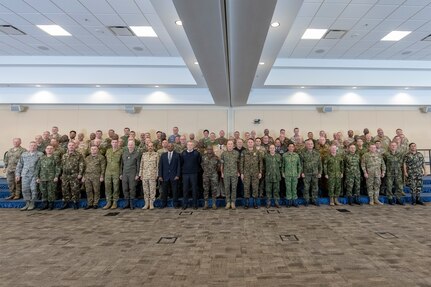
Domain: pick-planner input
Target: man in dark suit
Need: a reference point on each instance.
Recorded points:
(169, 174)
(191, 164)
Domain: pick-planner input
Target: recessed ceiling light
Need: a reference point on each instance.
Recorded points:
(54, 30)
(38, 86)
(354, 88)
(275, 24)
(97, 86)
(395, 35)
(314, 34)
(261, 63)
(143, 31)
(302, 87)
(196, 62)
(179, 22)
(406, 88)
(156, 86)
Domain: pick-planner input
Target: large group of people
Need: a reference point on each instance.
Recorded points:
(255, 168)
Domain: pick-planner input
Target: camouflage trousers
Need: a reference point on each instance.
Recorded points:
(415, 185)
(291, 183)
(230, 185)
(210, 182)
(334, 186)
(47, 189)
(353, 184)
(373, 185)
(29, 190)
(394, 180)
(253, 181)
(92, 188)
(220, 188)
(112, 186)
(70, 188)
(149, 187)
(272, 189)
(14, 187)
(311, 184)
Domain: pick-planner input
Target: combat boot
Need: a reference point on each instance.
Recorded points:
(255, 206)
(350, 200)
(227, 205)
(214, 202)
(151, 204)
(400, 201)
(336, 201)
(147, 203)
(44, 205)
(114, 205)
(288, 203)
(268, 203)
(51, 205)
(16, 197)
(76, 205)
(10, 197)
(205, 205)
(31, 206)
(413, 200)
(331, 201)
(108, 205)
(132, 204)
(358, 200)
(27, 204)
(232, 205)
(391, 201)
(419, 201)
(64, 205)
(371, 200)
(295, 203)
(376, 200)
(246, 203)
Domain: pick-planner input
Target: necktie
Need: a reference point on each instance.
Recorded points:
(169, 157)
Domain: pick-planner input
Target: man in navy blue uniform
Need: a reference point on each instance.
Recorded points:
(169, 174)
(191, 164)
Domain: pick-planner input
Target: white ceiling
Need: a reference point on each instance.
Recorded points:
(218, 39)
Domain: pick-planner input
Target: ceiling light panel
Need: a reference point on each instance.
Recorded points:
(395, 35)
(54, 30)
(314, 34)
(143, 31)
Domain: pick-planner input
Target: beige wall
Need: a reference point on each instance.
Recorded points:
(416, 125)
(27, 124)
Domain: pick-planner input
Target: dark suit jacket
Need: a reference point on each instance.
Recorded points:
(170, 171)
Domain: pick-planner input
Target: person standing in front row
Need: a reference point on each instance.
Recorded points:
(169, 174)
(148, 173)
(272, 176)
(229, 172)
(191, 165)
(311, 172)
(131, 159)
(414, 170)
(291, 171)
(95, 165)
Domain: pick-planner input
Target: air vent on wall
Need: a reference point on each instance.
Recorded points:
(335, 34)
(121, 31)
(10, 30)
(427, 38)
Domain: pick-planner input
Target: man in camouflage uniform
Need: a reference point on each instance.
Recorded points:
(394, 170)
(291, 171)
(352, 171)
(333, 168)
(272, 176)
(130, 173)
(26, 168)
(221, 140)
(95, 165)
(374, 169)
(251, 165)
(311, 172)
(112, 174)
(47, 174)
(149, 168)
(83, 147)
(385, 140)
(414, 170)
(229, 172)
(39, 143)
(73, 165)
(54, 133)
(11, 160)
(210, 165)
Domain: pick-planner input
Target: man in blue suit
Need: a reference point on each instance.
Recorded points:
(169, 174)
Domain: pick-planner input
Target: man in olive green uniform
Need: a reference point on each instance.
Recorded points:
(47, 174)
(112, 174)
(149, 168)
(272, 176)
(291, 171)
(94, 175)
(394, 174)
(251, 165)
(414, 170)
(131, 159)
(352, 171)
(72, 164)
(11, 160)
(210, 165)
(311, 172)
(333, 168)
(229, 172)
(374, 169)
